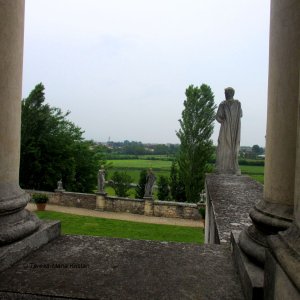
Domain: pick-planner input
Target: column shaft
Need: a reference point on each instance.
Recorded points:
(297, 171)
(15, 221)
(283, 94)
(11, 53)
(274, 212)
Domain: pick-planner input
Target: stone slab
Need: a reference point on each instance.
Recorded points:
(232, 197)
(251, 276)
(83, 267)
(11, 253)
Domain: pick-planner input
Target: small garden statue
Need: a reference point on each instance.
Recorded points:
(150, 179)
(59, 186)
(229, 116)
(101, 180)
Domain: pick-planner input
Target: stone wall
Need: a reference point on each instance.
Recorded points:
(119, 204)
(166, 209)
(79, 200)
(229, 201)
(176, 210)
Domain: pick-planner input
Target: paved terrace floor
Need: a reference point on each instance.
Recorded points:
(120, 216)
(85, 267)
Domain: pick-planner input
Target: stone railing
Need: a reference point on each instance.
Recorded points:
(146, 206)
(229, 199)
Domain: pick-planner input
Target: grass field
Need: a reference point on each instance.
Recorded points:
(133, 167)
(142, 164)
(81, 225)
(256, 172)
(162, 167)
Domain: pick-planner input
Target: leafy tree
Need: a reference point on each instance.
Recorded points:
(52, 148)
(196, 147)
(140, 188)
(163, 188)
(176, 184)
(86, 167)
(133, 148)
(121, 183)
(257, 150)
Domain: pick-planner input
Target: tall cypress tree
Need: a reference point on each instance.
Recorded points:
(140, 188)
(177, 188)
(163, 192)
(196, 147)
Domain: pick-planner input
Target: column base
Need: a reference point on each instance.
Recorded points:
(15, 221)
(268, 219)
(283, 265)
(17, 226)
(251, 275)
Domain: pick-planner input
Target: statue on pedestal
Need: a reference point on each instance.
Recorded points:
(101, 180)
(150, 179)
(229, 115)
(59, 186)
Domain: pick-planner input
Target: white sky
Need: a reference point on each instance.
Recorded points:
(122, 67)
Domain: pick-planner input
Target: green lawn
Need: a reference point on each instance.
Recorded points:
(141, 164)
(74, 224)
(135, 174)
(133, 167)
(162, 167)
(111, 192)
(256, 172)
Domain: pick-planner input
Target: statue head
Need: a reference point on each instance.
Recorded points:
(229, 93)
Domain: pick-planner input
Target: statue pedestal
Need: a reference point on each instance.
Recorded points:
(149, 206)
(100, 201)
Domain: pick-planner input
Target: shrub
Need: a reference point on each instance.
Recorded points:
(202, 212)
(163, 188)
(140, 188)
(40, 198)
(121, 183)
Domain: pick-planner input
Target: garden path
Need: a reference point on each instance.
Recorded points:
(120, 216)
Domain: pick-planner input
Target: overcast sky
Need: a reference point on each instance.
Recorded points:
(122, 67)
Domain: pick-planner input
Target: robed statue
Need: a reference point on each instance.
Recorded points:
(101, 180)
(229, 116)
(150, 179)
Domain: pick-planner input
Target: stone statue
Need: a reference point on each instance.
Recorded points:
(59, 186)
(229, 115)
(150, 179)
(101, 180)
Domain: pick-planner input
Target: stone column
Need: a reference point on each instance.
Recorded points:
(297, 173)
(275, 212)
(283, 95)
(282, 266)
(15, 221)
